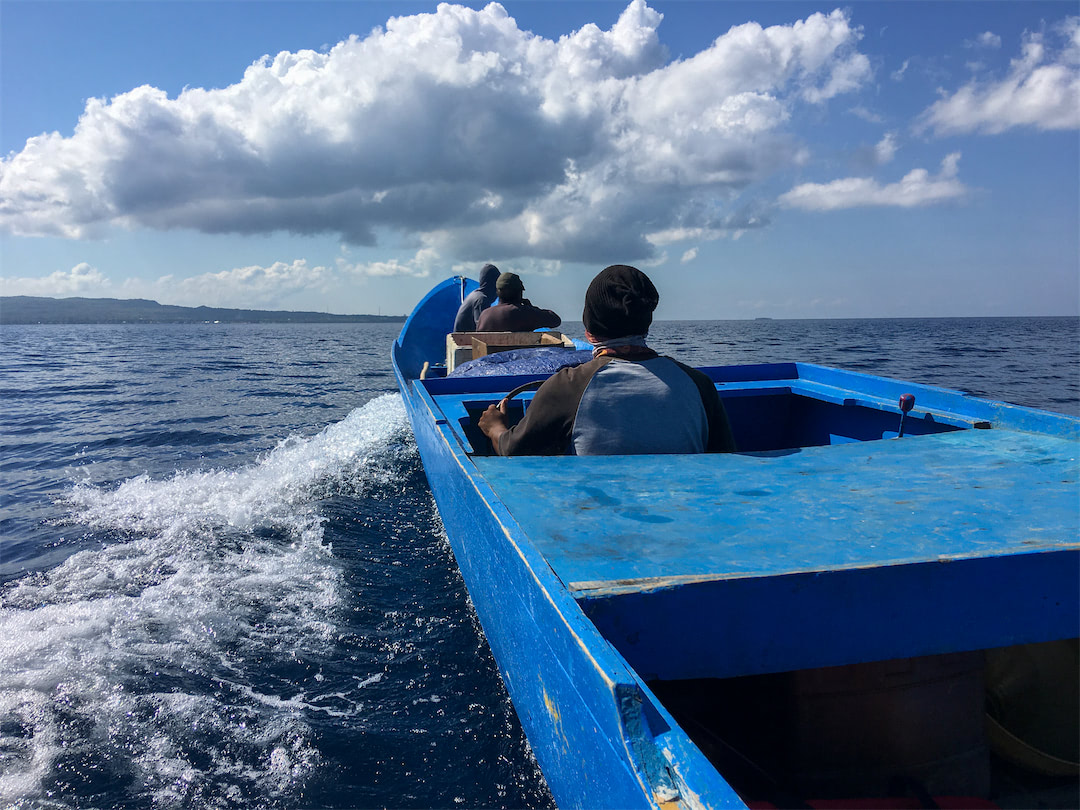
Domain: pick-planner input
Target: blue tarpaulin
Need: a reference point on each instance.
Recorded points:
(522, 361)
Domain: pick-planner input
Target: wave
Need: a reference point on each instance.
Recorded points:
(160, 660)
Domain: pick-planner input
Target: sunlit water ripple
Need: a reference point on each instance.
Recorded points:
(226, 584)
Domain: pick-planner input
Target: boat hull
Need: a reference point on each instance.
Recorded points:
(589, 720)
(598, 735)
(570, 585)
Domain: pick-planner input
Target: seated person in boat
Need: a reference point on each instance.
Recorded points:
(514, 313)
(478, 300)
(627, 399)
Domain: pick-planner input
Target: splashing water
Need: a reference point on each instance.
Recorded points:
(160, 662)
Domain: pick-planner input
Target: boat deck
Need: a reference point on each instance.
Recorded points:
(842, 546)
(608, 587)
(824, 543)
(622, 523)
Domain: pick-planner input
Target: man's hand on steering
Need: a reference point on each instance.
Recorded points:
(493, 422)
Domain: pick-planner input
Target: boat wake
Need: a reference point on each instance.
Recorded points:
(180, 662)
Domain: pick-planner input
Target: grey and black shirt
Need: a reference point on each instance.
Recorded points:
(614, 406)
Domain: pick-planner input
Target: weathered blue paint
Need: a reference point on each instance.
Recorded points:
(600, 737)
(820, 544)
(948, 496)
(816, 619)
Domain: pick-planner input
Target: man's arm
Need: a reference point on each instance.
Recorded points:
(549, 420)
(551, 319)
(541, 317)
(721, 439)
(465, 320)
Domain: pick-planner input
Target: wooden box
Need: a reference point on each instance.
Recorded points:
(462, 346)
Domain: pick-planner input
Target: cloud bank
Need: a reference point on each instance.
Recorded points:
(916, 188)
(80, 280)
(1041, 90)
(246, 287)
(456, 132)
(250, 286)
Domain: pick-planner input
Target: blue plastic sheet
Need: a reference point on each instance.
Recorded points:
(522, 361)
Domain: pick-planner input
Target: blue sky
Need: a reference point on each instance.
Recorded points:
(782, 159)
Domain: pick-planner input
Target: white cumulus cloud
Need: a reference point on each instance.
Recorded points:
(866, 114)
(274, 286)
(456, 131)
(1041, 90)
(885, 150)
(245, 287)
(421, 265)
(987, 39)
(251, 287)
(917, 188)
(81, 280)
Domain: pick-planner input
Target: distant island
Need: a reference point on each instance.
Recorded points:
(27, 309)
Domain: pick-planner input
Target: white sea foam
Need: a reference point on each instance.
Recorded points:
(132, 653)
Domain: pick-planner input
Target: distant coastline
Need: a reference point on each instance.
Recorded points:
(27, 309)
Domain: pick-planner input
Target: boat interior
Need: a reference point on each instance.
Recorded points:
(879, 677)
(988, 728)
(766, 415)
(840, 710)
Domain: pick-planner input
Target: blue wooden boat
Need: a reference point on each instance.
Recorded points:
(826, 582)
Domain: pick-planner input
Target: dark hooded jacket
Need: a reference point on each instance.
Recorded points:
(478, 300)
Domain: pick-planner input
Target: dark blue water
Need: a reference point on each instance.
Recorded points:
(225, 584)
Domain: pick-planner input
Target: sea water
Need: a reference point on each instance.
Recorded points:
(224, 582)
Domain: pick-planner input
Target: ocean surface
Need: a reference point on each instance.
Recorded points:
(224, 582)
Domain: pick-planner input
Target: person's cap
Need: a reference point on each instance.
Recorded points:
(509, 281)
(620, 301)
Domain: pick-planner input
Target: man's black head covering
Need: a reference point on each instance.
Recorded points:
(489, 275)
(620, 302)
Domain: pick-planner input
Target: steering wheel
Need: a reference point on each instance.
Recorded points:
(522, 388)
